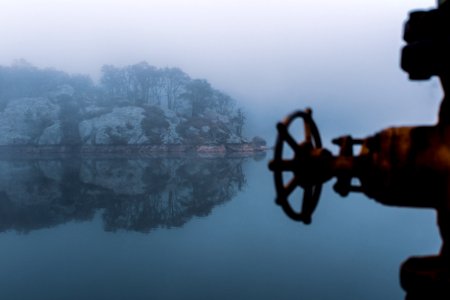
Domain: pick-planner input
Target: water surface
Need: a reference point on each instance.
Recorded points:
(191, 228)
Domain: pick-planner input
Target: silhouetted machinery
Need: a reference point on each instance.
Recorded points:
(401, 166)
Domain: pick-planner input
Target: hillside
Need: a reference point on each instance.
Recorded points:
(131, 106)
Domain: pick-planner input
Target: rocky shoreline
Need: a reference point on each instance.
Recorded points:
(135, 110)
(244, 149)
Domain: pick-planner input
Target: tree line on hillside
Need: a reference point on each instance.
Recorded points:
(143, 84)
(22, 79)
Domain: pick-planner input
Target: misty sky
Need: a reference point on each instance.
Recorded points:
(274, 56)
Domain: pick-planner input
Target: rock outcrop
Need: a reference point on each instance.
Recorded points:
(138, 105)
(38, 122)
(24, 121)
(122, 126)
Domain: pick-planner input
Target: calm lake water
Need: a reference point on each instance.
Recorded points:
(191, 228)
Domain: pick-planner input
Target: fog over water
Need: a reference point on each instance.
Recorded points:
(339, 57)
(208, 228)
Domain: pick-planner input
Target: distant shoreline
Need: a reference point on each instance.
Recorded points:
(223, 150)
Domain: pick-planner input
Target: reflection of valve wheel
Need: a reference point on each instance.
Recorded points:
(298, 165)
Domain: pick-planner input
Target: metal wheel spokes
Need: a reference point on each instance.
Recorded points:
(284, 135)
(311, 196)
(307, 125)
(302, 150)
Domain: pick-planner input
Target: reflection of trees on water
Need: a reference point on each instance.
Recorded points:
(132, 194)
(176, 191)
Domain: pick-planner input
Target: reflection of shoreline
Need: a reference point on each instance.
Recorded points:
(133, 194)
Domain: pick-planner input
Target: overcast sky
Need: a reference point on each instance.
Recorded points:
(274, 56)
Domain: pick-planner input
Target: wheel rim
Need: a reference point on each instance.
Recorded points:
(302, 151)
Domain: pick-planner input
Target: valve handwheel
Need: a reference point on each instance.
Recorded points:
(300, 166)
